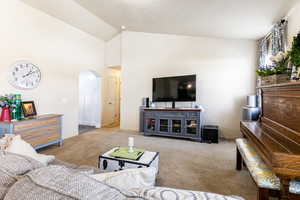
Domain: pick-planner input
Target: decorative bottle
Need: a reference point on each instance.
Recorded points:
(17, 109)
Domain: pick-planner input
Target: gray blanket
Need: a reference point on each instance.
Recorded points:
(58, 182)
(12, 166)
(22, 178)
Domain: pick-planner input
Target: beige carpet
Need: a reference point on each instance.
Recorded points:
(183, 164)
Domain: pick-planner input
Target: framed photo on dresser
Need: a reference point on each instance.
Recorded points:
(28, 108)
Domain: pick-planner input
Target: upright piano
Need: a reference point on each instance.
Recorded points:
(276, 136)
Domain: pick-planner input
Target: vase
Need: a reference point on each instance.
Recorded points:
(5, 114)
(275, 79)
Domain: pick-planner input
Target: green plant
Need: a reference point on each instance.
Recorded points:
(7, 101)
(294, 53)
(281, 62)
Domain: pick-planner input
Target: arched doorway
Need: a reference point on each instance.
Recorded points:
(89, 101)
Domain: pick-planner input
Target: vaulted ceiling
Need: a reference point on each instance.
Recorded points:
(75, 15)
(240, 19)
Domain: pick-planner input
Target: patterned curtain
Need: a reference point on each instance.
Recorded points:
(263, 46)
(275, 42)
(279, 37)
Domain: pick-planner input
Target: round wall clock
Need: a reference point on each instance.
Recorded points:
(24, 75)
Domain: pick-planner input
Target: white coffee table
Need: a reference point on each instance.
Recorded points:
(111, 164)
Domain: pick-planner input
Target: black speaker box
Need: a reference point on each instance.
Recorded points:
(210, 134)
(147, 102)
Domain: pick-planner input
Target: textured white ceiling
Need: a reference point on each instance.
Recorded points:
(243, 19)
(75, 15)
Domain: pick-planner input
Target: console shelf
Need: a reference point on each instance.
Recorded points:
(177, 122)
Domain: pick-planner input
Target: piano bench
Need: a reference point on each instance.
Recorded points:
(267, 182)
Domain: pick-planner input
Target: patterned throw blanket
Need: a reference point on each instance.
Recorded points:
(12, 167)
(22, 178)
(58, 182)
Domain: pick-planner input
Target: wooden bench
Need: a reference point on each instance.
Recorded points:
(267, 182)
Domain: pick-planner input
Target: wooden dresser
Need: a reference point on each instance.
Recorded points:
(41, 131)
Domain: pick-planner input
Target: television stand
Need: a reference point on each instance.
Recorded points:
(172, 122)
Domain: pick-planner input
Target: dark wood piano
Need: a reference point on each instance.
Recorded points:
(276, 136)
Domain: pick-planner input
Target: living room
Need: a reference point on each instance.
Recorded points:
(228, 51)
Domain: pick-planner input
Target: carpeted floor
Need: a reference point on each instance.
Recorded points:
(184, 164)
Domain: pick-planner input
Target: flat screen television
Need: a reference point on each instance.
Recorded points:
(171, 89)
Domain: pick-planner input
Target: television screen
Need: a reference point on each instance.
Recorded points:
(179, 88)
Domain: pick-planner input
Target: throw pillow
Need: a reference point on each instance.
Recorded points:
(19, 146)
(5, 141)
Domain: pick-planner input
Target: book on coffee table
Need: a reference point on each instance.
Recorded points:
(122, 152)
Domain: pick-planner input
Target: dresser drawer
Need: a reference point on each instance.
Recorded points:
(171, 114)
(43, 139)
(150, 114)
(35, 124)
(192, 114)
(39, 132)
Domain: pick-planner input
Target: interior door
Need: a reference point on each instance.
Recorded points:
(111, 102)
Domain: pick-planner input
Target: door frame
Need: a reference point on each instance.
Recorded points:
(98, 115)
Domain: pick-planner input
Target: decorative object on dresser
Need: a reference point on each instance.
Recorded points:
(6, 103)
(28, 108)
(16, 111)
(24, 75)
(109, 163)
(276, 137)
(180, 123)
(11, 107)
(41, 131)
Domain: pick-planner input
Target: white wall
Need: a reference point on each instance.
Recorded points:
(294, 23)
(225, 74)
(61, 51)
(90, 99)
(113, 52)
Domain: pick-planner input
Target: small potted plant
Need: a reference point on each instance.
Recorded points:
(6, 103)
(278, 72)
(294, 54)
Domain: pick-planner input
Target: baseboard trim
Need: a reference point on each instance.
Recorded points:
(90, 124)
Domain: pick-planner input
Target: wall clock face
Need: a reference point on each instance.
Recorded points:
(25, 75)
